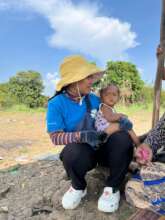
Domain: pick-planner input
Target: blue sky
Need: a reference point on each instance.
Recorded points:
(38, 34)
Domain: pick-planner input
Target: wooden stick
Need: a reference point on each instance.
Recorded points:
(160, 70)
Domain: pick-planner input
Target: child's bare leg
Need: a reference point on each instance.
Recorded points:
(134, 137)
(133, 167)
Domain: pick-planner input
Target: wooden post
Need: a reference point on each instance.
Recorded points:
(160, 70)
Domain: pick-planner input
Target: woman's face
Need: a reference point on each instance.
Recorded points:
(85, 85)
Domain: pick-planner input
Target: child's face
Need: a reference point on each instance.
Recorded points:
(111, 96)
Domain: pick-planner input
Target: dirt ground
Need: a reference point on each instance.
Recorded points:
(31, 189)
(23, 136)
(34, 191)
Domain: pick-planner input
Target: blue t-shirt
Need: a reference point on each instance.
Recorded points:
(64, 114)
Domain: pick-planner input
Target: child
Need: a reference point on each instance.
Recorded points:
(107, 119)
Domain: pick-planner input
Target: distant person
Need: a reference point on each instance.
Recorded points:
(70, 121)
(110, 95)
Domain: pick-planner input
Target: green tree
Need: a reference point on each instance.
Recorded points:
(27, 88)
(5, 98)
(147, 94)
(127, 77)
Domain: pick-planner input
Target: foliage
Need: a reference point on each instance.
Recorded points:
(23, 108)
(162, 98)
(27, 88)
(147, 94)
(24, 90)
(5, 99)
(126, 76)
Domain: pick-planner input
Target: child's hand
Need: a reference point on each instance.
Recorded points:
(143, 154)
(125, 124)
(121, 115)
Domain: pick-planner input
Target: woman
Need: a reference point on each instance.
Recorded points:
(147, 189)
(70, 122)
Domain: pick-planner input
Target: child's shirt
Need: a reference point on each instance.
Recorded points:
(101, 123)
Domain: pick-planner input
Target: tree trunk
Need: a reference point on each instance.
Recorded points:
(160, 70)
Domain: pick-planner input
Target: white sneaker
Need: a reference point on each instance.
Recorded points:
(109, 201)
(72, 198)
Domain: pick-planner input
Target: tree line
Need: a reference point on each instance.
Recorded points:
(27, 87)
(23, 88)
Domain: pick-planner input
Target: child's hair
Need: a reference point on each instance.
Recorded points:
(105, 89)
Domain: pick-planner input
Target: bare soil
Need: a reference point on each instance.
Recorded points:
(23, 136)
(32, 189)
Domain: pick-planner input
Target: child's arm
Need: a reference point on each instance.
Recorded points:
(134, 137)
(111, 116)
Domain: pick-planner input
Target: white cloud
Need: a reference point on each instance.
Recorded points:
(3, 5)
(50, 83)
(140, 70)
(81, 28)
(8, 4)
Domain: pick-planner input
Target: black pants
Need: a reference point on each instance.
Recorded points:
(115, 154)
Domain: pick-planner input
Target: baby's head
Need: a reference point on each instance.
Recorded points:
(110, 94)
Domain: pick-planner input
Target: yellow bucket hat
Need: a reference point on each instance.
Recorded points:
(76, 68)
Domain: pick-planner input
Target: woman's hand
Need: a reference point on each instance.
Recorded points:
(112, 128)
(159, 51)
(93, 138)
(143, 154)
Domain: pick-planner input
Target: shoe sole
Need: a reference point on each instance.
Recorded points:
(107, 211)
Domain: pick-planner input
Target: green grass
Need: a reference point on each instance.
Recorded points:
(128, 110)
(22, 108)
(133, 108)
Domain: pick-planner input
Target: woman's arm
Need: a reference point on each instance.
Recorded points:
(156, 136)
(63, 138)
(93, 138)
